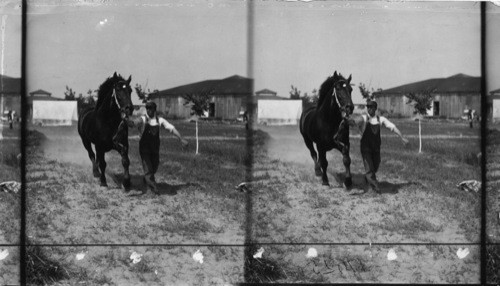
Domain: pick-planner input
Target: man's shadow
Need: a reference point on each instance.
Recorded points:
(138, 186)
(360, 186)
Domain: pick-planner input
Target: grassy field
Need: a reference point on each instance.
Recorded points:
(420, 204)
(10, 207)
(198, 204)
(352, 231)
(493, 205)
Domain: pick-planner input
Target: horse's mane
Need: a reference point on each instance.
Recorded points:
(106, 89)
(326, 88)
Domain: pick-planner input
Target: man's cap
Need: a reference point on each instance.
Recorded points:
(371, 103)
(150, 104)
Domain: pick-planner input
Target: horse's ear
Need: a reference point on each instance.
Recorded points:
(129, 79)
(349, 79)
(114, 75)
(335, 74)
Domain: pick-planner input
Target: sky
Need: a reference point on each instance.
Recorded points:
(163, 44)
(10, 50)
(492, 47)
(382, 44)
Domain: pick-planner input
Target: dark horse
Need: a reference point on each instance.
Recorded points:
(105, 127)
(325, 125)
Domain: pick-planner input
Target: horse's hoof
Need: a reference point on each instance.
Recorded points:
(348, 183)
(96, 174)
(126, 185)
(318, 173)
(104, 184)
(326, 184)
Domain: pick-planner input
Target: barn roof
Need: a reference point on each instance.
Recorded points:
(233, 85)
(40, 91)
(10, 84)
(270, 97)
(265, 91)
(44, 98)
(495, 91)
(454, 84)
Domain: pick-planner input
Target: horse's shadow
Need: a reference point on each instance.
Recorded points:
(360, 186)
(139, 187)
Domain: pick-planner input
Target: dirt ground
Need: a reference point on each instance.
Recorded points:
(345, 226)
(69, 213)
(352, 232)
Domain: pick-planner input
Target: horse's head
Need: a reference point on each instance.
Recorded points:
(341, 94)
(122, 95)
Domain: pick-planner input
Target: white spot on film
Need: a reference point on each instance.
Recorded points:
(198, 256)
(391, 255)
(259, 252)
(136, 257)
(311, 253)
(3, 254)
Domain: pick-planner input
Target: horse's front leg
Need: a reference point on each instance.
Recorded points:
(123, 150)
(347, 164)
(121, 145)
(341, 133)
(324, 164)
(126, 175)
(102, 166)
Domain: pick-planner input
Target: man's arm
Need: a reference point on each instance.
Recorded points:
(173, 130)
(391, 126)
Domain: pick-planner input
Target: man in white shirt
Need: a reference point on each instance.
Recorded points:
(369, 126)
(149, 144)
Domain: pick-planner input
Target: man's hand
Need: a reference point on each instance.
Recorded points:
(405, 141)
(184, 143)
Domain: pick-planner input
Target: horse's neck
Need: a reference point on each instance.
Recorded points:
(105, 110)
(329, 112)
(328, 109)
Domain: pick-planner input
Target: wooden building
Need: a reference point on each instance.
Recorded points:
(494, 105)
(228, 97)
(10, 94)
(267, 94)
(451, 96)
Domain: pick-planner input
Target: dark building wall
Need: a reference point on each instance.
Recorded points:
(451, 105)
(11, 102)
(226, 107)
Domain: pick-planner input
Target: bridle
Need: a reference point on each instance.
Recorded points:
(116, 99)
(117, 102)
(335, 95)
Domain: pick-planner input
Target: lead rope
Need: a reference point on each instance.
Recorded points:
(116, 99)
(336, 98)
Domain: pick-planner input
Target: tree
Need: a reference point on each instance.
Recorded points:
(367, 92)
(87, 101)
(143, 94)
(294, 93)
(310, 100)
(200, 103)
(69, 94)
(421, 103)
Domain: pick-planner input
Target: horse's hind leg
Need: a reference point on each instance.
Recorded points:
(102, 166)
(324, 164)
(88, 146)
(314, 155)
(347, 164)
